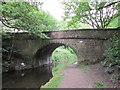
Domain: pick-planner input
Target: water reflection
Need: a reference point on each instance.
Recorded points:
(32, 78)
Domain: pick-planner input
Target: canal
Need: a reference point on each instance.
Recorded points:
(31, 78)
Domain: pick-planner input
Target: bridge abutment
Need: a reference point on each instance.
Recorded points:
(89, 45)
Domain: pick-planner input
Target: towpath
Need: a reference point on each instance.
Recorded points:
(92, 76)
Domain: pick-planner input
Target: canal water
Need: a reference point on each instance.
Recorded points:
(32, 78)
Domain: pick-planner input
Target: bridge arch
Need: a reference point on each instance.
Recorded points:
(88, 44)
(43, 55)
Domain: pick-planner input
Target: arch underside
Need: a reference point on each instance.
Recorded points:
(43, 55)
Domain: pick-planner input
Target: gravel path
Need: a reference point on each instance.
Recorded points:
(85, 77)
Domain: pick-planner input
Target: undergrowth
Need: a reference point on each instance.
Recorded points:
(112, 54)
(98, 85)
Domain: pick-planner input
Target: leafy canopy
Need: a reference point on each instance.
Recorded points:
(96, 14)
(26, 17)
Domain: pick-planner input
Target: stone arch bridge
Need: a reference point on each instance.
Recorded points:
(88, 44)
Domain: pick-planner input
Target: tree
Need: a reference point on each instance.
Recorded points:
(23, 16)
(97, 14)
(65, 25)
(26, 17)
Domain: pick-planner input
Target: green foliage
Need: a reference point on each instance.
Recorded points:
(98, 85)
(6, 35)
(118, 76)
(112, 79)
(63, 57)
(109, 70)
(63, 54)
(8, 55)
(95, 14)
(67, 25)
(115, 77)
(114, 23)
(6, 65)
(53, 83)
(82, 7)
(81, 66)
(26, 17)
(86, 71)
(112, 54)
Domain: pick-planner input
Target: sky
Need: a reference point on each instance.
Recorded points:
(54, 7)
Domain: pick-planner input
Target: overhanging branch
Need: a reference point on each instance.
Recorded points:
(112, 3)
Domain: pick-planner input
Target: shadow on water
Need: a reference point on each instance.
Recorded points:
(32, 78)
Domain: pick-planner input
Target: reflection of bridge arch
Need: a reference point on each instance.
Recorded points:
(43, 55)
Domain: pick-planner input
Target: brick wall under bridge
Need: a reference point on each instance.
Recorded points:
(88, 44)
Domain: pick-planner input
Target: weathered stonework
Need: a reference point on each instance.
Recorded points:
(88, 45)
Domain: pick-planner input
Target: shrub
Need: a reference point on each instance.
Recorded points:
(112, 54)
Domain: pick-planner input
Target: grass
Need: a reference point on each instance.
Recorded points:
(86, 71)
(57, 72)
(84, 64)
(65, 58)
(54, 82)
(98, 85)
(81, 66)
